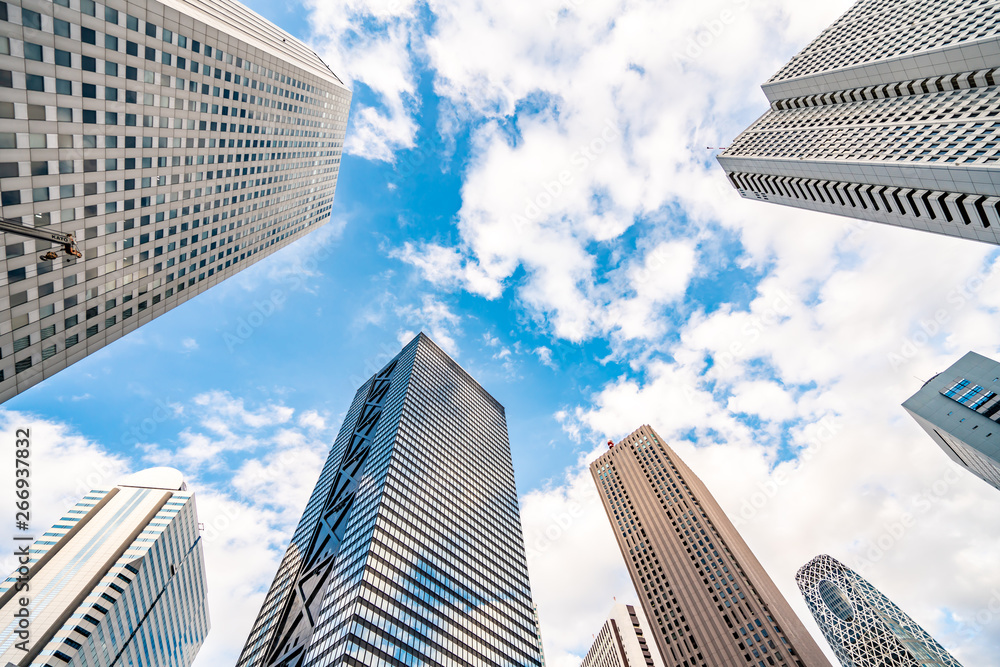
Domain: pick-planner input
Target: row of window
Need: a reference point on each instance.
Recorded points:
(32, 19)
(920, 204)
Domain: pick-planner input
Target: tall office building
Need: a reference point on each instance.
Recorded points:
(179, 141)
(890, 116)
(119, 580)
(960, 410)
(864, 627)
(708, 600)
(622, 642)
(410, 550)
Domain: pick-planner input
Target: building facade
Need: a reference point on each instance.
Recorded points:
(622, 641)
(888, 116)
(708, 600)
(410, 550)
(119, 580)
(179, 141)
(863, 626)
(960, 410)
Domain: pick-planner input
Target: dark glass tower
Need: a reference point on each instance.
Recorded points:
(410, 550)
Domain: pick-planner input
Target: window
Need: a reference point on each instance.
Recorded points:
(31, 19)
(63, 58)
(60, 27)
(64, 87)
(88, 36)
(34, 82)
(8, 169)
(33, 51)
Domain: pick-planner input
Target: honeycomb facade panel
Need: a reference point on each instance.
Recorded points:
(179, 142)
(863, 626)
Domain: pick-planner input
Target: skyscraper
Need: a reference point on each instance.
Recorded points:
(890, 116)
(119, 580)
(960, 410)
(864, 627)
(622, 642)
(708, 600)
(410, 550)
(179, 141)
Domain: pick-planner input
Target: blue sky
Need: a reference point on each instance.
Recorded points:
(643, 291)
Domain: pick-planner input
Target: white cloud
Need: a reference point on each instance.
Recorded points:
(598, 207)
(248, 520)
(545, 356)
(312, 419)
(435, 318)
(189, 344)
(569, 541)
(366, 41)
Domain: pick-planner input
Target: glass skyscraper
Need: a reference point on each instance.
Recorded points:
(890, 116)
(119, 580)
(410, 550)
(179, 141)
(960, 410)
(708, 600)
(863, 626)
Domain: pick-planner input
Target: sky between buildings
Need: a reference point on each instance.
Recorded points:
(528, 183)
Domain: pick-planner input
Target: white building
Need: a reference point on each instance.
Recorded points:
(891, 115)
(622, 641)
(960, 410)
(863, 626)
(179, 141)
(119, 580)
